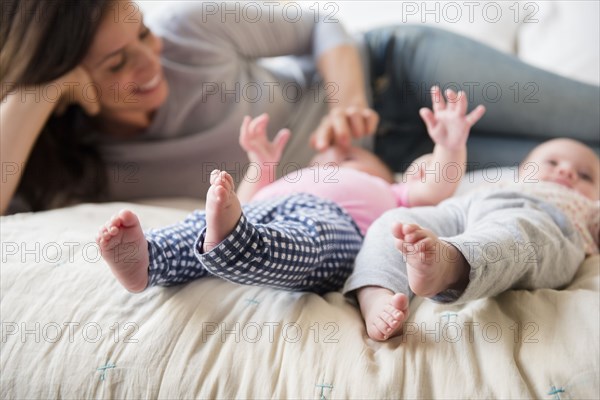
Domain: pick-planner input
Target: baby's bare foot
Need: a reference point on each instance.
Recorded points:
(223, 209)
(383, 311)
(125, 249)
(432, 264)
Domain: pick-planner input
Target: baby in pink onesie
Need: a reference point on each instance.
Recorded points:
(356, 179)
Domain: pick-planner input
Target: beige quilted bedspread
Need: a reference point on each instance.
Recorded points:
(70, 331)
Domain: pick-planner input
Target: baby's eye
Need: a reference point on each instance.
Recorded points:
(585, 176)
(552, 163)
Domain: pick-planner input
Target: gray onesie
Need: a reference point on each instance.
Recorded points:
(510, 240)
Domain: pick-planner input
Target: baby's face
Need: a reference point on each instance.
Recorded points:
(355, 158)
(566, 162)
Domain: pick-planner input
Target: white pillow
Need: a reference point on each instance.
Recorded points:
(562, 37)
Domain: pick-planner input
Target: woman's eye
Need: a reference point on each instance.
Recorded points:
(144, 33)
(117, 68)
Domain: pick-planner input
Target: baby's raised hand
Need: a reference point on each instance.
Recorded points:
(254, 140)
(449, 124)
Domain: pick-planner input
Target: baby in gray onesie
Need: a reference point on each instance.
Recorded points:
(528, 234)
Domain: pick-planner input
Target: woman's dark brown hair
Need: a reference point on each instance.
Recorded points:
(40, 41)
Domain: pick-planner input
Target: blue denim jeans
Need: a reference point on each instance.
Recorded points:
(523, 102)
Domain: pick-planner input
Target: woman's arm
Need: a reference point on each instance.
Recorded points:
(226, 36)
(343, 75)
(23, 114)
(212, 33)
(349, 116)
(22, 118)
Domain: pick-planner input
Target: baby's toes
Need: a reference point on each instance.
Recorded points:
(106, 236)
(220, 193)
(410, 228)
(397, 231)
(400, 244)
(399, 302)
(393, 312)
(102, 239)
(214, 175)
(110, 242)
(127, 219)
(409, 248)
(414, 237)
(383, 325)
(389, 318)
(230, 183)
(226, 181)
(109, 224)
(102, 231)
(221, 180)
(113, 231)
(427, 245)
(114, 220)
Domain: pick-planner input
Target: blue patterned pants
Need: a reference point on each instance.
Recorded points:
(296, 242)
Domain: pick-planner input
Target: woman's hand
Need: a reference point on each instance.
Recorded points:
(343, 124)
(254, 140)
(77, 88)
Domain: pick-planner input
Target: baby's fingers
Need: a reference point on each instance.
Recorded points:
(428, 117)
(397, 231)
(475, 115)
(437, 99)
(281, 139)
(462, 103)
(258, 126)
(452, 99)
(245, 131)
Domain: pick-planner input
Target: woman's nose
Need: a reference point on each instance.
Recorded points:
(149, 51)
(148, 61)
(156, 45)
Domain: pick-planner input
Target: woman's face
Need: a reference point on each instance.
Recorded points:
(124, 62)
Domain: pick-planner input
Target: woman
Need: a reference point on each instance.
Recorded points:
(97, 106)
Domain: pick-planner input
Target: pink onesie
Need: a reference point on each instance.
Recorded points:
(365, 197)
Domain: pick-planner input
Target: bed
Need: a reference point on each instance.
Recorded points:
(69, 330)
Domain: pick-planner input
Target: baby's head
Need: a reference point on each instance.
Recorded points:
(355, 158)
(566, 162)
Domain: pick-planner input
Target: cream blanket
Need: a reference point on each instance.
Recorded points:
(69, 330)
